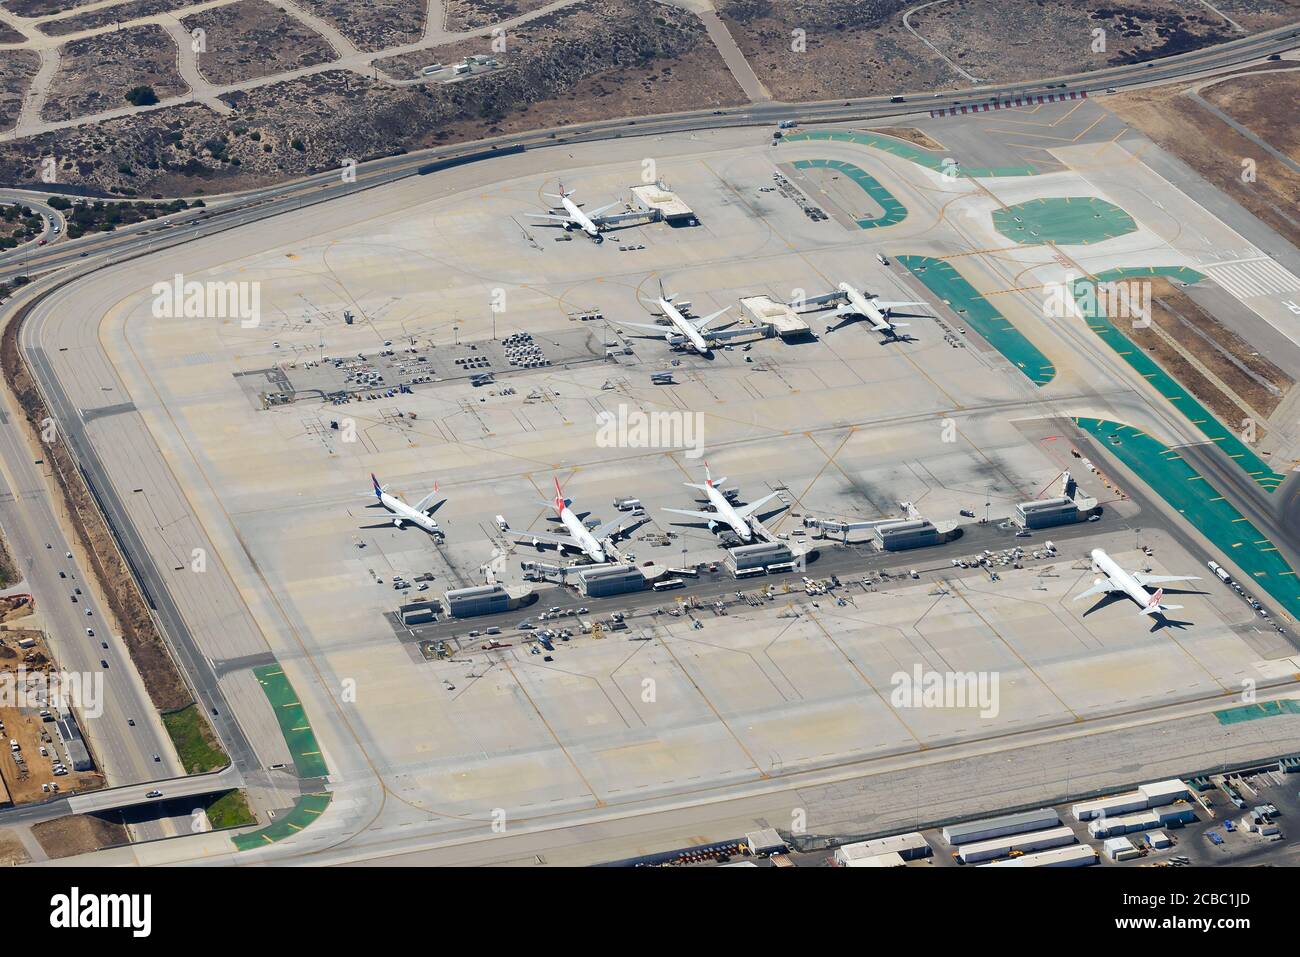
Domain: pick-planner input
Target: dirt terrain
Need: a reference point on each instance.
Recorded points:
(617, 63)
(912, 135)
(43, 8)
(17, 67)
(120, 13)
(253, 39)
(78, 834)
(1218, 367)
(1055, 37)
(28, 780)
(851, 48)
(1208, 145)
(12, 853)
(372, 24)
(472, 14)
(96, 72)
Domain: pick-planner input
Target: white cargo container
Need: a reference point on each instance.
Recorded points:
(1075, 855)
(1002, 846)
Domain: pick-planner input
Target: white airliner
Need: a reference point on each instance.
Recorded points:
(872, 308)
(1132, 584)
(574, 218)
(735, 516)
(417, 515)
(590, 542)
(684, 331)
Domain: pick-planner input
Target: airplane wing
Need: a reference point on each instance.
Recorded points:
(1101, 588)
(1162, 579)
(744, 511)
(557, 219)
(898, 305)
(708, 516)
(661, 330)
(608, 528)
(549, 538)
(701, 324)
(424, 503)
(592, 214)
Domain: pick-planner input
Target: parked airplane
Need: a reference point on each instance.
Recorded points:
(591, 541)
(591, 223)
(1131, 584)
(686, 332)
(418, 515)
(875, 310)
(724, 513)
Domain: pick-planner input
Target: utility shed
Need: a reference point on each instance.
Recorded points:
(765, 842)
(908, 846)
(991, 827)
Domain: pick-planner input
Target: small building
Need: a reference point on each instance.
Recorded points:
(70, 733)
(1158, 840)
(909, 847)
(666, 206)
(418, 612)
(765, 842)
(1120, 849)
(775, 318)
(907, 533)
(758, 556)
(991, 827)
(1044, 513)
(479, 600)
(610, 580)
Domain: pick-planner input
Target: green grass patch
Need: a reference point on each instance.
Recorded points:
(230, 810)
(1253, 712)
(948, 284)
(1066, 221)
(295, 727)
(939, 162)
(893, 210)
(196, 745)
(305, 811)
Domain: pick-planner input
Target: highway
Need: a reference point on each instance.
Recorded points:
(131, 795)
(232, 210)
(29, 519)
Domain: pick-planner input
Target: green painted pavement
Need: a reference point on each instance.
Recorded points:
(939, 162)
(894, 211)
(1165, 470)
(1253, 712)
(947, 283)
(295, 727)
(1066, 221)
(307, 808)
(1142, 363)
